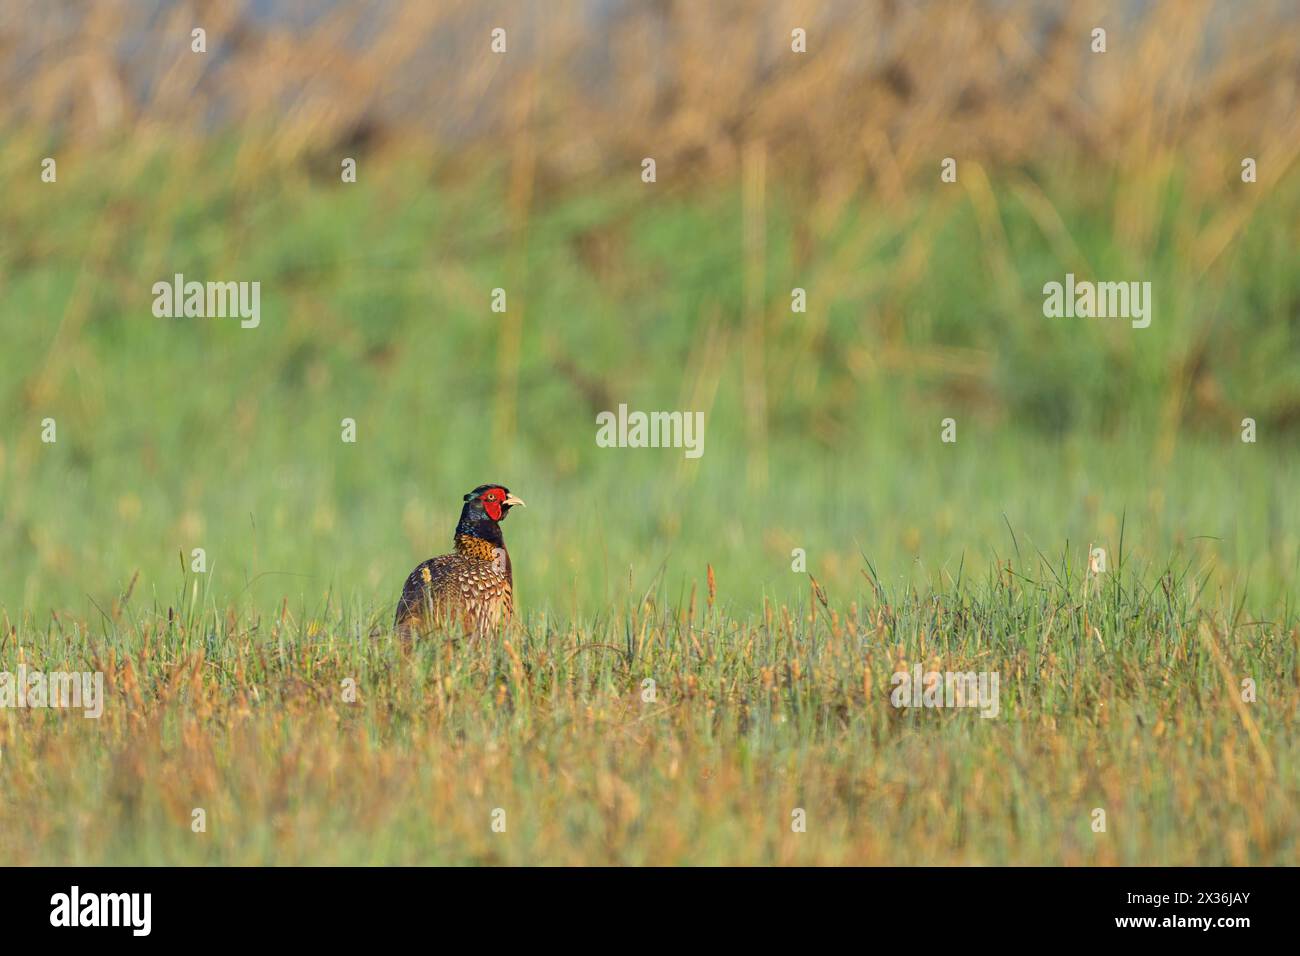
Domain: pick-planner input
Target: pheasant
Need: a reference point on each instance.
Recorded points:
(472, 586)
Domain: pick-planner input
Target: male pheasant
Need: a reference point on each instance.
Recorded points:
(472, 586)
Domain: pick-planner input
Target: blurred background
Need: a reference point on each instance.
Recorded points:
(522, 170)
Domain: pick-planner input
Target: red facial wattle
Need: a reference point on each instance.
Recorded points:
(493, 508)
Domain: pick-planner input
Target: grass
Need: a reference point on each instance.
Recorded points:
(1117, 694)
(180, 434)
(1120, 691)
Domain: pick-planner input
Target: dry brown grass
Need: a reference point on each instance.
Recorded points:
(886, 89)
(1121, 703)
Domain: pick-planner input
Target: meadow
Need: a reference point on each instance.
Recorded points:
(826, 538)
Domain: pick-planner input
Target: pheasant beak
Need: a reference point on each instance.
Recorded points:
(511, 501)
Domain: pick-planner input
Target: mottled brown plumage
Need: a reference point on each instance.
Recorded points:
(473, 587)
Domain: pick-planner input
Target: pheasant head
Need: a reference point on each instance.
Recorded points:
(485, 508)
